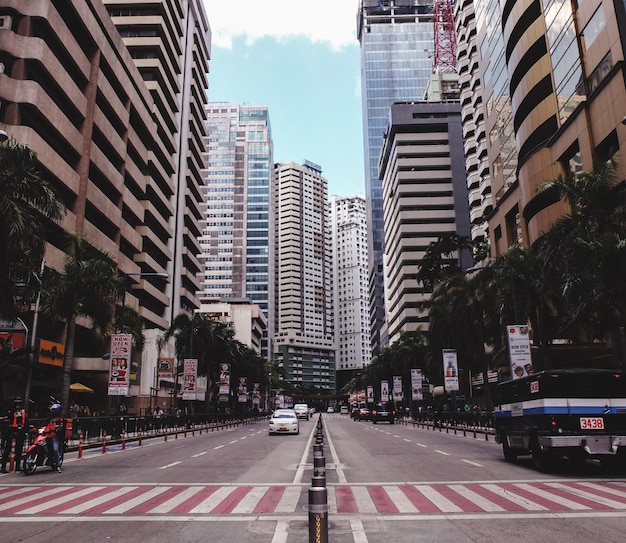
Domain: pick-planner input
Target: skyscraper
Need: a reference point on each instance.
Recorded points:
(304, 341)
(396, 38)
(348, 221)
(237, 239)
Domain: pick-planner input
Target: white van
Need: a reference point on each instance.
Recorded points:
(302, 410)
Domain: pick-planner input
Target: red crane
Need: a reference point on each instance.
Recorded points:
(445, 38)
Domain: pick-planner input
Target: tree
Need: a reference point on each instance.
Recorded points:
(584, 252)
(27, 202)
(88, 287)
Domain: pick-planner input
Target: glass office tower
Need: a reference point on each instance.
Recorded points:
(396, 38)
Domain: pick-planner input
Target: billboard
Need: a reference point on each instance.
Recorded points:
(190, 377)
(119, 369)
(519, 351)
(450, 370)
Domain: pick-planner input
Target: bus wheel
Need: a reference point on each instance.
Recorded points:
(509, 454)
(541, 459)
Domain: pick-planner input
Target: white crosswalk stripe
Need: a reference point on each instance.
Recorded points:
(213, 500)
(512, 497)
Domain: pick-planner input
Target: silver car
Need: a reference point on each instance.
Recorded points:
(284, 421)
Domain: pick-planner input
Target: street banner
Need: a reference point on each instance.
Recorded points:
(417, 393)
(398, 395)
(119, 373)
(225, 380)
(190, 377)
(256, 394)
(519, 351)
(450, 370)
(242, 390)
(165, 368)
(370, 394)
(384, 391)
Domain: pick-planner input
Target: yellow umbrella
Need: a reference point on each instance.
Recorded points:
(79, 387)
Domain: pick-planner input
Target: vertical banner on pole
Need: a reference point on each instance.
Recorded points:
(519, 351)
(242, 390)
(384, 391)
(119, 371)
(190, 377)
(450, 370)
(398, 395)
(417, 392)
(370, 394)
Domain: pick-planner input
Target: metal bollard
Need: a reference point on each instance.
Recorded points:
(318, 449)
(318, 481)
(319, 466)
(318, 515)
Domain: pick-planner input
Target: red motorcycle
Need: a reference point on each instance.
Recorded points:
(38, 452)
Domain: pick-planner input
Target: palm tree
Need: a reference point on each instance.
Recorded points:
(27, 202)
(88, 287)
(585, 253)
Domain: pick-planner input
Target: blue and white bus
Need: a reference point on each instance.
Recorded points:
(574, 413)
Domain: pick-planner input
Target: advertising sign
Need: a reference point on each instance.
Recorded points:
(398, 395)
(119, 372)
(242, 390)
(519, 351)
(370, 394)
(190, 376)
(384, 391)
(450, 370)
(165, 368)
(417, 393)
(51, 353)
(256, 394)
(224, 380)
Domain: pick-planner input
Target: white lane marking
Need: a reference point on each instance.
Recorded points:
(234, 441)
(170, 465)
(590, 496)
(199, 454)
(289, 501)
(442, 452)
(281, 532)
(553, 497)
(78, 509)
(358, 531)
(297, 479)
(407, 440)
(519, 500)
(137, 500)
(476, 498)
(400, 500)
(439, 500)
(243, 437)
(471, 463)
(422, 445)
(168, 505)
(363, 500)
(251, 499)
(218, 447)
(213, 500)
(339, 470)
(58, 501)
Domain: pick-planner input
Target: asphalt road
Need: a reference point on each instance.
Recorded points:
(385, 483)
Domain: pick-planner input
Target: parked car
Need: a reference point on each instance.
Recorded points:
(361, 413)
(343, 410)
(383, 412)
(302, 410)
(284, 421)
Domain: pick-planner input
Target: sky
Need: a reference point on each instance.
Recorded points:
(301, 58)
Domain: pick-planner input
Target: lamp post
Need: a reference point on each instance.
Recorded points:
(31, 356)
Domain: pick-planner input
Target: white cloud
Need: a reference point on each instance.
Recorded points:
(332, 21)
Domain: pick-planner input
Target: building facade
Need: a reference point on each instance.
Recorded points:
(237, 231)
(425, 197)
(348, 220)
(396, 39)
(304, 344)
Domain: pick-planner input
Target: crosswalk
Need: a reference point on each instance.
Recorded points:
(388, 499)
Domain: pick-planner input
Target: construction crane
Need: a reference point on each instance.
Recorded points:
(445, 38)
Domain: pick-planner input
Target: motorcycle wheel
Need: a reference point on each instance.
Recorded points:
(29, 465)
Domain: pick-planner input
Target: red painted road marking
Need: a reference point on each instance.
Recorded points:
(270, 501)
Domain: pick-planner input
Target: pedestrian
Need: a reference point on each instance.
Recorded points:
(16, 419)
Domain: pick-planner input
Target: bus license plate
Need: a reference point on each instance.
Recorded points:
(591, 423)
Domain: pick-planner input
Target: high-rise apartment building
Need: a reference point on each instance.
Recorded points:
(396, 38)
(110, 97)
(425, 196)
(348, 220)
(304, 344)
(237, 239)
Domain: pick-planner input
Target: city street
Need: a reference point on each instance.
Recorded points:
(386, 483)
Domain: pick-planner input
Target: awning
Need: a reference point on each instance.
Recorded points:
(79, 387)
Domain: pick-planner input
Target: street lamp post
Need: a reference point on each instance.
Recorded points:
(33, 339)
